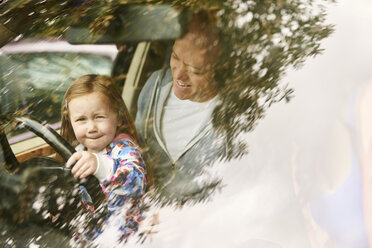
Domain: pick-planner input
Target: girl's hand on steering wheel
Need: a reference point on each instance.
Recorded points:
(83, 164)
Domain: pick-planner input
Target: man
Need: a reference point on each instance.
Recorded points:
(174, 116)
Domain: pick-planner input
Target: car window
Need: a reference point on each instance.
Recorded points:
(44, 77)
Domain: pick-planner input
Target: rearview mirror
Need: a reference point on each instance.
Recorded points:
(134, 23)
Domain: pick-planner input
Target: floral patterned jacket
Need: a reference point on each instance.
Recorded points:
(122, 175)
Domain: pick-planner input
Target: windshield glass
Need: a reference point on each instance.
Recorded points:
(250, 128)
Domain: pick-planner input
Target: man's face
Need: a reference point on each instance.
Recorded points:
(192, 68)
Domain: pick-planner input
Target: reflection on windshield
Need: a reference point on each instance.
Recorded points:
(11, 100)
(43, 78)
(258, 42)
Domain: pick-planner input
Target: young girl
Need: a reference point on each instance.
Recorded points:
(96, 120)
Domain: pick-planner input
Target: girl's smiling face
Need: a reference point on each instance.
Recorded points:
(93, 120)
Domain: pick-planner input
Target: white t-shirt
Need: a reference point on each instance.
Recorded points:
(181, 121)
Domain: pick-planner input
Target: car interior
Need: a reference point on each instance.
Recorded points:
(140, 53)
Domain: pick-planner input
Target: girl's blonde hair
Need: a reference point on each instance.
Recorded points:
(104, 85)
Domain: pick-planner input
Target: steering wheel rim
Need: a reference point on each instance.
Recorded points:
(49, 135)
(60, 145)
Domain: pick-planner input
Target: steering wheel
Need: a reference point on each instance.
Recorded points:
(44, 191)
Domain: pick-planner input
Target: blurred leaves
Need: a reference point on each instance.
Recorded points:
(45, 77)
(261, 40)
(33, 195)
